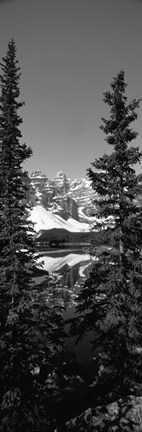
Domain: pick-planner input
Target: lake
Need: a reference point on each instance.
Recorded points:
(70, 268)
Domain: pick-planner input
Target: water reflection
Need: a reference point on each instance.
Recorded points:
(67, 274)
(69, 271)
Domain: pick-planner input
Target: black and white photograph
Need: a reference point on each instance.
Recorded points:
(70, 216)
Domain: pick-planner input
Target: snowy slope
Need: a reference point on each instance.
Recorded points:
(83, 216)
(46, 220)
(61, 194)
(79, 226)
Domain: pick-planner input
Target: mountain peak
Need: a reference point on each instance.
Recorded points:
(60, 175)
(64, 196)
(38, 174)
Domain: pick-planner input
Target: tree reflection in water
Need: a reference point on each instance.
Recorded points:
(62, 286)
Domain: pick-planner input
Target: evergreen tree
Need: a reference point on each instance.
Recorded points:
(110, 303)
(31, 328)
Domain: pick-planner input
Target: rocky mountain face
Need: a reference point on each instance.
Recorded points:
(63, 196)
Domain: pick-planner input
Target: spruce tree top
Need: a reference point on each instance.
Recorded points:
(115, 179)
(9, 104)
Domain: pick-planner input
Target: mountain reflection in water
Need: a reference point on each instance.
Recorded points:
(70, 270)
(69, 267)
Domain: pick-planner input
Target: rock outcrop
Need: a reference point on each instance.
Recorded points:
(63, 196)
(122, 415)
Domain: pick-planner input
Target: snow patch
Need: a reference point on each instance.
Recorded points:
(45, 220)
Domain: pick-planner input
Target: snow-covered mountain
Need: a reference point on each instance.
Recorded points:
(65, 205)
(64, 196)
(45, 220)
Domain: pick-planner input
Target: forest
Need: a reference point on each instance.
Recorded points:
(40, 385)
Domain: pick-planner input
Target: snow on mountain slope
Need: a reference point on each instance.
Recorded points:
(79, 225)
(64, 196)
(46, 220)
(84, 217)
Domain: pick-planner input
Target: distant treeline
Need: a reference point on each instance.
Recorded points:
(56, 236)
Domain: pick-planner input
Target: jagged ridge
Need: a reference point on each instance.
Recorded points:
(64, 196)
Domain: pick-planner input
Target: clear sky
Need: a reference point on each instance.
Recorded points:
(69, 51)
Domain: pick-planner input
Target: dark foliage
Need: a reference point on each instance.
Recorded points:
(31, 328)
(110, 304)
(57, 236)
